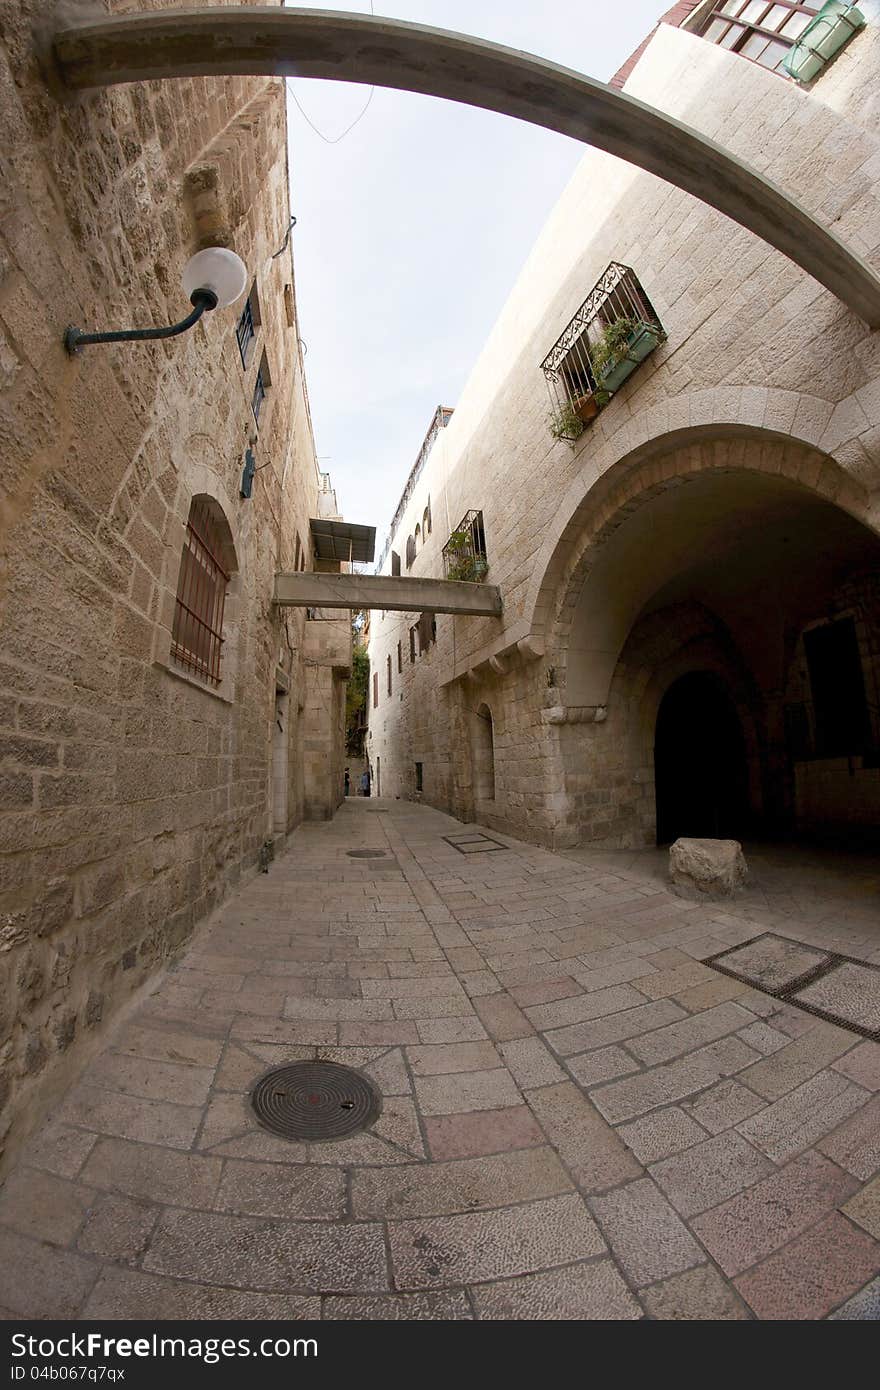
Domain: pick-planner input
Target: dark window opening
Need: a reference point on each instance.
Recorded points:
(259, 395)
(399, 657)
(395, 563)
(412, 643)
(464, 554)
(375, 690)
(700, 768)
(197, 629)
(419, 786)
(389, 675)
(840, 710)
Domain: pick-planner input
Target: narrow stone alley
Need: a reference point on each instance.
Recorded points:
(580, 1118)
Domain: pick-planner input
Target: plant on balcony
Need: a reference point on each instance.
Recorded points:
(462, 563)
(569, 421)
(623, 345)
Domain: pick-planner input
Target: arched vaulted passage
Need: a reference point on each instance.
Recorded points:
(382, 52)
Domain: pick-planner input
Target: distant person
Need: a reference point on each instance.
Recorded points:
(365, 783)
(347, 782)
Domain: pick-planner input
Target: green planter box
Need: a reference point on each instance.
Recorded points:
(639, 344)
(834, 26)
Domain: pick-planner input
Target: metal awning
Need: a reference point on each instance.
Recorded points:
(343, 540)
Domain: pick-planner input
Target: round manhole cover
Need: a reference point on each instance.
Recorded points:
(316, 1101)
(366, 853)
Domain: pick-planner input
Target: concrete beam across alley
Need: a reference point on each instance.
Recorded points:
(261, 41)
(389, 592)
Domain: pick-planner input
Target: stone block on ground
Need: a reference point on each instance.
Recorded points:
(707, 868)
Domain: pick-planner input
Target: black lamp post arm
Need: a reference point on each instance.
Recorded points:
(203, 301)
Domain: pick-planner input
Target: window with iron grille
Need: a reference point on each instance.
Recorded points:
(759, 30)
(245, 331)
(389, 675)
(419, 778)
(399, 657)
(197, 630)
(412, 642)
(464, 554)
(259, 395)
(375, 690)
(613, 331)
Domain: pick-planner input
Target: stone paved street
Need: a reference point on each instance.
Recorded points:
(581, 1119)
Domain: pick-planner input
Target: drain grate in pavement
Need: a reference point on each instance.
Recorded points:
(473, 844)
(840, 989)
(315, 1101)
(366, 854)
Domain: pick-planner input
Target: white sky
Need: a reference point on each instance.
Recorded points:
(412, 229)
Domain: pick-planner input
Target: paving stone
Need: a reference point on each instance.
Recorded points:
(676, 1038)
(622, 1100)
(443, 1058)
(169, 1045)
(450, 1030)
(241, 1252)
(591, 1150)
(707, 1173)
(180, 1083)
(667, 982)
(125, 1295)
(482, 1132)
(803, 1116)
(475, 1090)
(41, 1205)
(132, 1117)
(647, 1236)
(397, 1033)
(251, 1028)
(851, 992)
(293, 1191)
(543, 991)
(722, 1106)
(448, 1006)
(864, 1208)
(531, 1062)
(154, 1174)
(615, 973)
(773, 962)
(864, 1306)
(118, 1228)
(713, 992)
(797, 1062)
(581, 1292)
(465, 1185)
(583, 1037)
(855, 1145)
(482, 1246)
(502, 1018)
(697, 1295)
(751, 1226)
(448, 1306)
(398, 1124)
(60, 1149)
(661, 1133)
(591, 1068)
(813, 1274)
(388, 1071)
(38, 1281)
(583, 1007)
(338, 1010)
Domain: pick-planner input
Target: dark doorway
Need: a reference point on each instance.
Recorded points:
(700, 769)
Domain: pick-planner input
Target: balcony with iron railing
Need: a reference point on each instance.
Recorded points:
(613, 331)
(464, 554)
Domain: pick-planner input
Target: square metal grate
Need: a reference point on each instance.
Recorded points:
(473, 844)
(840, 989)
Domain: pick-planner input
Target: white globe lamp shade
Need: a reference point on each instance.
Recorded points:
(218, 270)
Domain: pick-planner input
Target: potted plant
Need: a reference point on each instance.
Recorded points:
(568, 420)
(461, 563)
(623, 345)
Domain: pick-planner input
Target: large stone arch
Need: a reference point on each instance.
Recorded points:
(233, 40)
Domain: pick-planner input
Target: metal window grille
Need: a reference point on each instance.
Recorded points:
(259, 396)
(197, 632)
(576, 390)
(399, 657)
(758, 30)
(245, 332)
(464, 554)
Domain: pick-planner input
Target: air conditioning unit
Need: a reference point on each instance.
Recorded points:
(834, 26)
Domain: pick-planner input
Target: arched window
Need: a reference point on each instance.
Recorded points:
(418, 536)
(206, 566)
(484, 755)
(410, 551)
(426, 520)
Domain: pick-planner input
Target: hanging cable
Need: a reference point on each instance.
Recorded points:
(331, 140)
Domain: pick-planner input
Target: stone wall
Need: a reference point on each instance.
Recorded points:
(757, 353)
(133, 795)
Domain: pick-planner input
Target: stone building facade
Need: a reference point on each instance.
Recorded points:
(690, 641)
(141, 770)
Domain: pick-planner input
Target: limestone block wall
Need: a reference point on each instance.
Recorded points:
(756, 351)
(132, 796)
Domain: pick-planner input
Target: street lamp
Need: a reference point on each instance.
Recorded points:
(213, 278)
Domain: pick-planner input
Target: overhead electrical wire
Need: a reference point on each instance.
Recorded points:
(331, 140)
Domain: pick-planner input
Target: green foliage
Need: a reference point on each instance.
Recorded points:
(613, 343)
(565, 423)
(356, 700)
